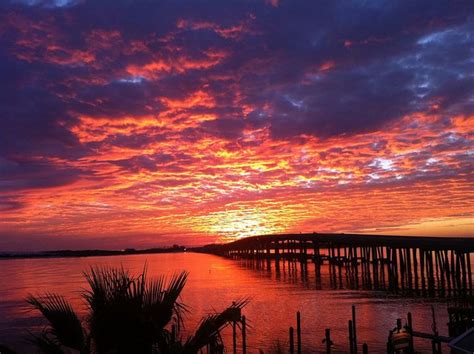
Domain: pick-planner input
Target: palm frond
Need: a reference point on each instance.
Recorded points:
(128, 314)
(115, 300)
(161, 300)
(208, 331)
(105, 284)
(45, 344)
(5, 350)
(63, 321)
(137, 286)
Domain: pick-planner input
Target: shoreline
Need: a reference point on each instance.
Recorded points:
(91, 253)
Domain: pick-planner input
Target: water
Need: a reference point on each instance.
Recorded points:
(213, 284)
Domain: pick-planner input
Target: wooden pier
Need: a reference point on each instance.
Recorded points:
(428, 266)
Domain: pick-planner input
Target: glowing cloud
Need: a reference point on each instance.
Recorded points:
(251, 118)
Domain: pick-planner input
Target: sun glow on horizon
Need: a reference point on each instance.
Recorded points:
(236, 224)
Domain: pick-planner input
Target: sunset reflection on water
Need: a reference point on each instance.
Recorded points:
(213, 284)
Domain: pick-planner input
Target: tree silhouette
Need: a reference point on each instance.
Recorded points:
(127, 314)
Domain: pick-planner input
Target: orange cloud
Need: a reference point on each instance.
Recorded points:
(195, 152)
(180, 64)
(370, 182)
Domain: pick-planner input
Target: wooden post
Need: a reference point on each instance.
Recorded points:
(452, 270)
(356, 267)
(464, 273)
(365, 348)
(415, 268)
(368, 277)
(268, 256)
(395, 268)
(382, 268)
(422, 270)
(328, 341)
(436, 346)
(354, 328)
(402, 268)
(440, 270)
(409, 268)
(469, 272)
(431, 278)
(351, 338)
(437, 266)
(277, 257)
(389, 268)
(375, 267)
(339, 266)
(298, 332)
(292, 341)
(244, 335)
(234, 337)
(410, 328)
(458, 273)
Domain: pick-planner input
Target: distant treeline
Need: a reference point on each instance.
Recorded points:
(91, 253)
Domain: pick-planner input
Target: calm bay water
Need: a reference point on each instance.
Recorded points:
(213, 284)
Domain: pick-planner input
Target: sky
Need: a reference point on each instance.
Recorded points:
(138, 123)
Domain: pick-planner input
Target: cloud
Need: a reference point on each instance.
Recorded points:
(22, 174)
(172, 113)
(9, 204)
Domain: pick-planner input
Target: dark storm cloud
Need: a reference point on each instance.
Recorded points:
(364, 65)
(9, 204)
(345, 102)
(151, 163)
(317, 68)
(117, 99)
(223, 128)
(30, 174)
(135, 141)
(30, 114)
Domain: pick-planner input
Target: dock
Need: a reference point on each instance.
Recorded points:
(429, 266)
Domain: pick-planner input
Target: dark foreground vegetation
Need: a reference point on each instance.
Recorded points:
(127, 314)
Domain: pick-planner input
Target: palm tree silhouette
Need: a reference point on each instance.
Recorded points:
(127, 314)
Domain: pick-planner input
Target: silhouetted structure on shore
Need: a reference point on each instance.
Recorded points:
(429, 266)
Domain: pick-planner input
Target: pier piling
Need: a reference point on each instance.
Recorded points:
(426, 266)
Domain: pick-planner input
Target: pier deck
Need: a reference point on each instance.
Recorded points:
(433, 266)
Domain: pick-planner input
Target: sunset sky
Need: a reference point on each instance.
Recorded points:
(148, 123)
